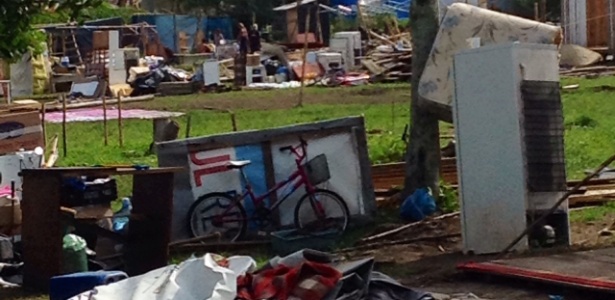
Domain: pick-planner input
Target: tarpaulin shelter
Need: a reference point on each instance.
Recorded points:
(77, 41)
(169, 27)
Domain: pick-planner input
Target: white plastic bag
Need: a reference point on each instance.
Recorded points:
(194, 279)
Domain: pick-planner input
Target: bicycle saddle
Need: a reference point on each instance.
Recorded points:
(238, 164)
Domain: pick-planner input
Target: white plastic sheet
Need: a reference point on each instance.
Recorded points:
(194, 279)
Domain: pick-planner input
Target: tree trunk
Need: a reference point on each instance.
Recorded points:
(423, 155)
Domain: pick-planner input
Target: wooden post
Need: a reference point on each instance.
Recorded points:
(43, 125)
(233, 121)
(362, 21)
(536, 11)
(159, 125)
(319, 25)
(188, 126)
(105, 128)
(392, 116)
(119, 118)
(611, 14)
(305, 47)
(12, 206)
(543, 11)
(64, 125)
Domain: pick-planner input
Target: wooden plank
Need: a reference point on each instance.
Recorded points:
(597, 23)
(255, 137)
(583, 200)
(587, 270)
(360, 137)
(102, 171)
(611, 18)
(41, 230)
(57, 107)
(149, 237)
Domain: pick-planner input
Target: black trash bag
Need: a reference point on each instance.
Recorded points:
(147, 85)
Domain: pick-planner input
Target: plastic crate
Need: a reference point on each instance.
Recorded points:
(77, 192)
(318, 169)
(289, 241)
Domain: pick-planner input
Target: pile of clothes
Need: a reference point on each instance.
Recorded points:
(304, 275)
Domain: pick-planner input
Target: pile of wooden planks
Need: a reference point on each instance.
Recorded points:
(389, 178)
(597, 192)
(389, 66)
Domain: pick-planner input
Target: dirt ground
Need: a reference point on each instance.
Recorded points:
(431, 266)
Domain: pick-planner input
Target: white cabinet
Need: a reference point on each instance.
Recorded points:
(509, 126)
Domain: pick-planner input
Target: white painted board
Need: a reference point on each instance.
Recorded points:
(489, 149)
(211, 73)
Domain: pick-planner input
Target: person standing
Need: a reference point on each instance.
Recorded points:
(255, 39)
(241, 57)
(243, 39)
(218, 37)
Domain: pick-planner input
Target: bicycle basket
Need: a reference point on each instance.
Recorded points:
(318, 169)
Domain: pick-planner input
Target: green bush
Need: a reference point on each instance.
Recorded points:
(103, 11)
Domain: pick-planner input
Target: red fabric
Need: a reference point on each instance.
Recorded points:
(308, 281)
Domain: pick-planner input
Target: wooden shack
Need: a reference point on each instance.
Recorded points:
(589, 23)
(296, 21)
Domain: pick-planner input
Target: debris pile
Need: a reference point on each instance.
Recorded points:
(306, 274)
(387, 63)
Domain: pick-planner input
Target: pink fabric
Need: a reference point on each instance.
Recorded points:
(97, 114)
(5, 191)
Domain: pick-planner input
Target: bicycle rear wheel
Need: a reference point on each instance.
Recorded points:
(321, 211)
(216, 213)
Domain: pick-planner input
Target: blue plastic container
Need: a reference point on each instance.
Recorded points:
(418, 206)
(67, 286)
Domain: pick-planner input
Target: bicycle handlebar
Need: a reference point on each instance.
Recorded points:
(294, 149)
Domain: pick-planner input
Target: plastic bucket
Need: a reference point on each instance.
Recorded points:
(74, 257)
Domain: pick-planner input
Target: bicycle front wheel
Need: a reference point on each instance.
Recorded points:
(217, 214)
(322, 210)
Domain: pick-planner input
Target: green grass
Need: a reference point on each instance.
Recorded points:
(593, 214)
(86, 147)
(590, 125)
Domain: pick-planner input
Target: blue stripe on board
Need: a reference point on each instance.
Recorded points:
(255, 173)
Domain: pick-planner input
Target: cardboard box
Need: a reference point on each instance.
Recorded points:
(100, 40)
(6, 210)
(253, 60)
(20, 131)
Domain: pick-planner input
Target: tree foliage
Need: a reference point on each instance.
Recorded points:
(17, 34)
(241, 10)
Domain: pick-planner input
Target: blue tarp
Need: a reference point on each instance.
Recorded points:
(224, 24)
(169, 27)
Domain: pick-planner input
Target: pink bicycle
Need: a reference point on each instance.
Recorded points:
(318, 210)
